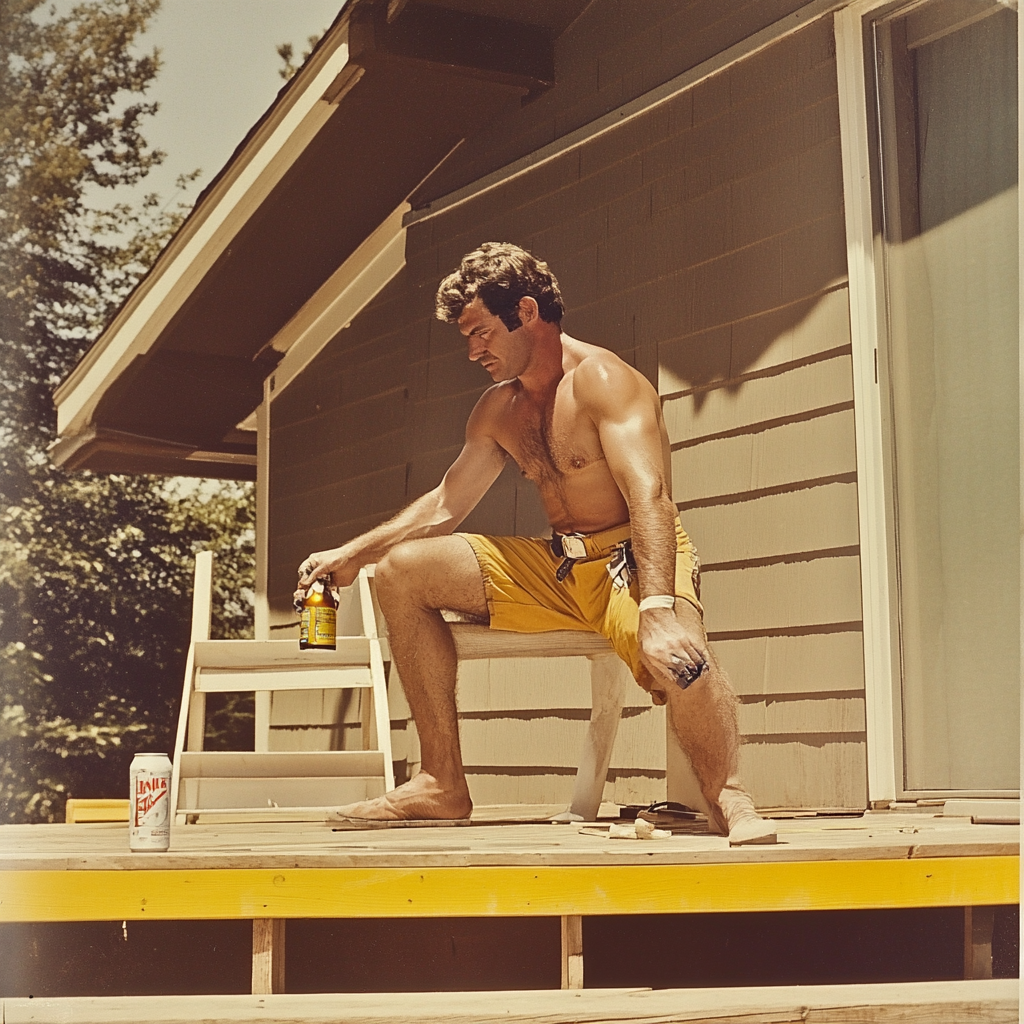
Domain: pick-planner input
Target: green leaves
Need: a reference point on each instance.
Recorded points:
(95, 571)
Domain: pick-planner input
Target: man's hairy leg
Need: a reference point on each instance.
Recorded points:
(704, 718)
(414, 581)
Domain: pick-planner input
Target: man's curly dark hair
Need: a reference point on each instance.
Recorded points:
(500, 274)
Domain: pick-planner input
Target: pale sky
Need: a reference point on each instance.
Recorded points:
(219, 76)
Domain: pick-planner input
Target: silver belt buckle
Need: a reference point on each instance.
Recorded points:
(573, 546)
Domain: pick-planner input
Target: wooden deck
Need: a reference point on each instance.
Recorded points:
(884, 859)
(271, 872)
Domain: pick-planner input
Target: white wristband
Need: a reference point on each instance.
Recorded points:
(658, 601)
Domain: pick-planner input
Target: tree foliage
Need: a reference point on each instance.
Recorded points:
(286, 51)
(95, 571)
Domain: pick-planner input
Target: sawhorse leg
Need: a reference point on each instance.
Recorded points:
(267, 956)
(608, 694)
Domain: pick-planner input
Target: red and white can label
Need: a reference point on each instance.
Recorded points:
(150, 826)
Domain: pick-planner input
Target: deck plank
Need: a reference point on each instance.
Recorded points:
(104, 846)
(970, 1002)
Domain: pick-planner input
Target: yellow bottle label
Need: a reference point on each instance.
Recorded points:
(323, 625)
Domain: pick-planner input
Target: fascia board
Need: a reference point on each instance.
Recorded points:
(291, 124)
(340, 299)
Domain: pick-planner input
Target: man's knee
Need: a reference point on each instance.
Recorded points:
(400, 569)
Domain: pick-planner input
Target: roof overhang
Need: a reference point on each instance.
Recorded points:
(387, 94)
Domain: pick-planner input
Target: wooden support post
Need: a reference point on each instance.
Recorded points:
(267, 956)
(572, 951)
(978, 923)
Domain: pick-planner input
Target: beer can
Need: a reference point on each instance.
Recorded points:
(150, 811)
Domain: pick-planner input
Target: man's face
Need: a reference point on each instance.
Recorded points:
(504, 354)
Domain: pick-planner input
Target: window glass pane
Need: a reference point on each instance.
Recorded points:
(948, 116)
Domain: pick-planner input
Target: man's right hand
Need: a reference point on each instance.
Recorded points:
(338, 564)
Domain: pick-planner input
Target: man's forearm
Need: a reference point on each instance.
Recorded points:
(652, 522)
(424, 517)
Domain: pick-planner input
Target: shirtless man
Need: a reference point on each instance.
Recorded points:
(587, 429)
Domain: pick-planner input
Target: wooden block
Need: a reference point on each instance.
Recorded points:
(785, 455)
(267, 955)
(572, 951)
(78, 809)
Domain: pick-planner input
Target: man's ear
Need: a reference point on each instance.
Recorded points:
(529, 311)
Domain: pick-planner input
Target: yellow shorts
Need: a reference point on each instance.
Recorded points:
(524, 596)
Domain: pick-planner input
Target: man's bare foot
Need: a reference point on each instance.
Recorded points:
(734, 816)
(422, 798)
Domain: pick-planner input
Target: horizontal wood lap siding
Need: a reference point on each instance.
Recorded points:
(703, 242)
(759, 407)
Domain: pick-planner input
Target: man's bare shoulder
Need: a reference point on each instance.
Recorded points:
(600, 374)
(492, 405)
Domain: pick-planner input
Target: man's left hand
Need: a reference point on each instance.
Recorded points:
(670, 650)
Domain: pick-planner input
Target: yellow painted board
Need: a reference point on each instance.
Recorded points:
(80, 809)
(513, 891)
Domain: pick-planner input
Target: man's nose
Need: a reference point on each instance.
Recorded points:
(475, 349)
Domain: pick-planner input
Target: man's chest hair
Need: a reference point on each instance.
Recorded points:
(550, 441)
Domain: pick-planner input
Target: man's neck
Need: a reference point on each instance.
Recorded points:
(546, 368)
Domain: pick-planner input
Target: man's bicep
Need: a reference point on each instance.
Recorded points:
(629, 428)
(632, 448)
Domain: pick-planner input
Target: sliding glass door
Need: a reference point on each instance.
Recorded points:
(946, 89)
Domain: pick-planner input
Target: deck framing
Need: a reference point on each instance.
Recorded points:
(509, 891)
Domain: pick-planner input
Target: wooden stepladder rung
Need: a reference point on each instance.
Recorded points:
(243, 680)
(261, 781)
(266, 655)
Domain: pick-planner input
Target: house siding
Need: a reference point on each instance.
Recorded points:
(703, 241)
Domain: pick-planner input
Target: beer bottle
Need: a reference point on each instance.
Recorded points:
(319, 618)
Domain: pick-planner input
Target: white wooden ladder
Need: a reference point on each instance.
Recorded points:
(278, 785)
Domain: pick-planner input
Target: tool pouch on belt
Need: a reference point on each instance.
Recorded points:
(572, 548)
(622, 565)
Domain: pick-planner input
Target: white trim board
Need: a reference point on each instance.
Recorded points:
(879, 691)
(663, 93)
(294, 120)
(339, 300)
